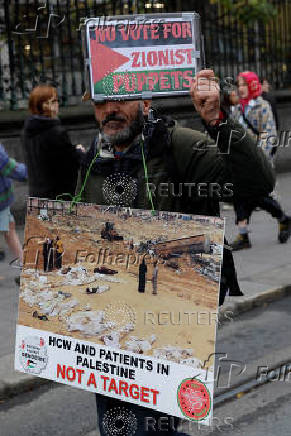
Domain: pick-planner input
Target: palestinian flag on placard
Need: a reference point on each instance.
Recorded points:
(126, 69)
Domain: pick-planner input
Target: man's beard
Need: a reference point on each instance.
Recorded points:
(128, 134)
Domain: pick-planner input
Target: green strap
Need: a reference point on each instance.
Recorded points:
(78, 197)
(145, 168)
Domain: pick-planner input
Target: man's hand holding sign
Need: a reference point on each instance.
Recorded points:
(205, 94)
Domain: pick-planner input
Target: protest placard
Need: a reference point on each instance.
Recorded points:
(122, 303)
(142, 56)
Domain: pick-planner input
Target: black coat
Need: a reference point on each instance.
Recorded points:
(52, 161)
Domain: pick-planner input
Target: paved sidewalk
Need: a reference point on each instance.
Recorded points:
(264, 274)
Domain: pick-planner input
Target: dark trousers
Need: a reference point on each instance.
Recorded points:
(244, 209)
(228, 282)
(45, 259)
(50, 259)
(119, 418)
(141, 283)
(269, 204)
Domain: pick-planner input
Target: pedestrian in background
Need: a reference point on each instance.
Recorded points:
(10, 169)
(52, 161)
(255, 115)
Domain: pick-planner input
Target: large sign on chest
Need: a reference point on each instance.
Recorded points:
(128, 307)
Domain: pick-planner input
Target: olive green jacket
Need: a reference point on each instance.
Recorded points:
(178, 161)
(187, 171)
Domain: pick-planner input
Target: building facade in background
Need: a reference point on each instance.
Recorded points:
(40, 41)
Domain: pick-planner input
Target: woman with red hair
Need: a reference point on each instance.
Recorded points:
(255, 114)
(52, 161)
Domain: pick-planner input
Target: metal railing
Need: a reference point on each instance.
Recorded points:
(40, 41)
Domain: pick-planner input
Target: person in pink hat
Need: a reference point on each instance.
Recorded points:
(256, 116)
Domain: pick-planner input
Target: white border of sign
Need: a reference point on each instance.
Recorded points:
(50, 360)
(197, 42)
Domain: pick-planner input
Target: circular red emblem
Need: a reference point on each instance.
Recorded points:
(194, 399)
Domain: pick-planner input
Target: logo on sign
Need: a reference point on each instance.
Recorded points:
(194, 399)
(33, 354)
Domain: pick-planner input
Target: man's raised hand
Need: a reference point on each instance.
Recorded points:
(205, 94)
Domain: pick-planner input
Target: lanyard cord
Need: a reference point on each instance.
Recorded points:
(78, 197)
(145, 169)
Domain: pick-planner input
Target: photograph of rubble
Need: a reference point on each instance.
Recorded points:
(129, 279)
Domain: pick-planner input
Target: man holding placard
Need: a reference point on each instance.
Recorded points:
(143, 163)
(155, 189)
